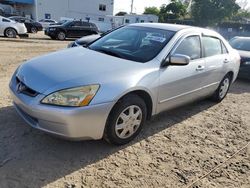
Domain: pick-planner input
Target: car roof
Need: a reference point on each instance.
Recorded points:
(171, 27)
(20, 17)
(177, 27)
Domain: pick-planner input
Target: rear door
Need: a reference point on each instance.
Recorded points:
(1, 27)
(85, 29)
(182, 84)
(216, 57)
(74, 29)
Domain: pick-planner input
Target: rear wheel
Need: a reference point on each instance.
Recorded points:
(10, 33)
(33, 30)
(125, 120)
(223, 88)
(61, 35)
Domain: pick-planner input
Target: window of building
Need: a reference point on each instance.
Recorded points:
(101, 19)
(102, 7)
(212, 46)
(127, 21)
(190, 46)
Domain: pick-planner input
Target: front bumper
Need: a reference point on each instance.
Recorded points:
(50, 33)
(244, 71)
(81, 123)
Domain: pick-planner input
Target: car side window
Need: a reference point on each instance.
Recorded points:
(85, 25)
(190, 46)
(76, 24)
(5, 20)
(212, 46)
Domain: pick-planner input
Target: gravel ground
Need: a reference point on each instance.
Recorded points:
(198, 145)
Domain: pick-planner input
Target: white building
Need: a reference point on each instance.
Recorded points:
(55, 9)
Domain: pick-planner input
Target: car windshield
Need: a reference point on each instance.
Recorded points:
(240, 44)
(133, 43)
(67, 22)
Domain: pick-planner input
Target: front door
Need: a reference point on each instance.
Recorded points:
(182, 84)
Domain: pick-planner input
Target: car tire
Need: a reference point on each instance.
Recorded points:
(10, 33)
(126, 120)
(33, 30)
(61, 35)
(223, 89)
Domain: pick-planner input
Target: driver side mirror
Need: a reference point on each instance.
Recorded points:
(179, 60)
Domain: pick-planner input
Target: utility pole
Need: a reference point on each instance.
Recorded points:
(132, 7)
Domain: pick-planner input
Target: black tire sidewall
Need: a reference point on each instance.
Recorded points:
(58, 35)
(12, 30)
(33, 29)
(217, 96)
(110, 134)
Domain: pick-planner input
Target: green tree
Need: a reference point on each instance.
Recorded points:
(152, 10)
(174, 10)
(211, 12)
(241, 15)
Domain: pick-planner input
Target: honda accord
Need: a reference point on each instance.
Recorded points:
(109, 89)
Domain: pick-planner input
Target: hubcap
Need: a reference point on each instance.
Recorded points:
(33, 30)
(10, 33)
(128, 122)
(61, 36)
(224, 87)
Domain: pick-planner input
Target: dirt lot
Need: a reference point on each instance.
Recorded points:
(195, 142)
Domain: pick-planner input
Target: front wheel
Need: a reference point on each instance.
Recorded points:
(125, 120)
(223, 88)
(61, 36)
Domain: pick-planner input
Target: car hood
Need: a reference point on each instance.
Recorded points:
(76, 67)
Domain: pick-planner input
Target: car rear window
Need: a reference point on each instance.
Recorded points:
(5, 20)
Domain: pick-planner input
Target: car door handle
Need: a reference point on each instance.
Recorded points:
(226, 61)
(200, 68)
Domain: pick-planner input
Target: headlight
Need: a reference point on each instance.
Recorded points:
(247, 63)
(74, 97)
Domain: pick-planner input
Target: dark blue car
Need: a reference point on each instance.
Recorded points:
(242, 44)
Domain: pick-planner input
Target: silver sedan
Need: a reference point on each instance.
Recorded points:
(111, 88)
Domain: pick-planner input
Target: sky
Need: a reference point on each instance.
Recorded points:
(139, 5)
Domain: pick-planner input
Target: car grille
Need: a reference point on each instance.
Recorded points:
(22, 88)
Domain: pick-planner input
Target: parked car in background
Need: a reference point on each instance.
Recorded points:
(71, 29)
(242, 44)
(47, 22)
(111, 88)
(84, 41)
(10, 28)
(59, 23)
(31, 25)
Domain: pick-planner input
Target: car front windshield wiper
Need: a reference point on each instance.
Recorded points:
(108, 52)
